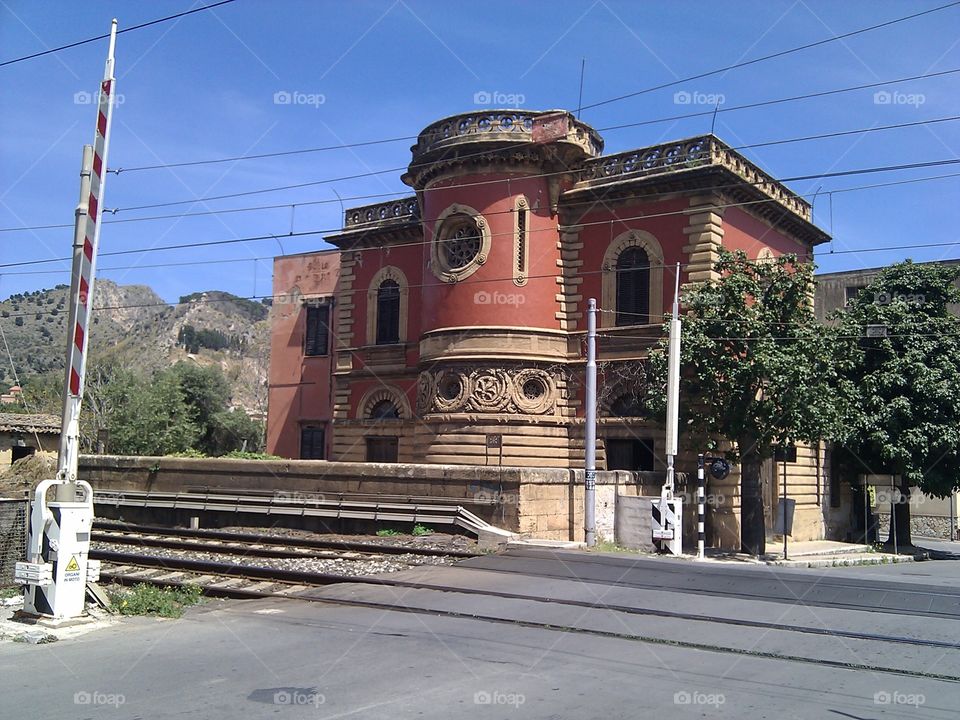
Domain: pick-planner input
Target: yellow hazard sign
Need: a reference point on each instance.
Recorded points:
(73, 565)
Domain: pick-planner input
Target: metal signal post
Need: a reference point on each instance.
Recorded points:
(590, 430)
(57, 568)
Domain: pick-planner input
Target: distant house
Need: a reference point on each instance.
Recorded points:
(11, 396)
(22, 435)
(836, 289)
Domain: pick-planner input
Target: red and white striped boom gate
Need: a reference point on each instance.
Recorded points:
(57, 568)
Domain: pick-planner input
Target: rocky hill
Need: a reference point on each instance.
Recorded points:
(134, 326)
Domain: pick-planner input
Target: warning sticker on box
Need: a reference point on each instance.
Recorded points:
(72, 570)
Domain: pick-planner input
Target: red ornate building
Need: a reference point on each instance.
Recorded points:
(447, 327)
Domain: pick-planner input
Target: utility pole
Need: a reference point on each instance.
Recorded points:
(57, 568)
(590, 430)
(668, 512)
(673, 388)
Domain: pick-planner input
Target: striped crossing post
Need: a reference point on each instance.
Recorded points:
(58, 568)
(86, 243)
(701, 501)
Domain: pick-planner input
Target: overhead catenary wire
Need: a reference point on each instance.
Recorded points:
(482, 153)
(132, 28)
(230, 241)
(671, 118)
(771, 56)
(425, 241)
(401, 193)
(329, 201)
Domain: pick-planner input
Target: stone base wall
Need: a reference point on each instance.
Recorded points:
(540, 502)
(932, 526)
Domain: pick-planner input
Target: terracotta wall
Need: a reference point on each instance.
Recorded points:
(299, 386)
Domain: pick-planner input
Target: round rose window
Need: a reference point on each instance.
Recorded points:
(461, 244)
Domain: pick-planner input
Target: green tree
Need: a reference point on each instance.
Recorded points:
(235, 430)
(206, 393)
(756, 369)
(149, 416)
(903, 381)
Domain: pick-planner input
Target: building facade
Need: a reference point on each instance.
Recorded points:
(457, 315)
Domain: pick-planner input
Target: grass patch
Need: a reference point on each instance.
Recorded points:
(387, 532)
(9, 592)
(420, 530)
(610, 546)
(143, 599)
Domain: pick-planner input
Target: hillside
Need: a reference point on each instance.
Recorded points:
(134, 327)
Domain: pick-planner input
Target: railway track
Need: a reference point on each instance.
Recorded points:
(258, 544)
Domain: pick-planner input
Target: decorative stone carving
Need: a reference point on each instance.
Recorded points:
(695, 152)
(527, 391)
(404, 210)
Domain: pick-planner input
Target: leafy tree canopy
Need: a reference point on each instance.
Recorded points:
(903, 382)
(756, 368)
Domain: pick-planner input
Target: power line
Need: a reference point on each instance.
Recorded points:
(771, 56)
(261, 156)
(671, 118)
(306, 233)
(484, 153)
(283, 206)
(119, 32)
(778, 101)
(400, 193)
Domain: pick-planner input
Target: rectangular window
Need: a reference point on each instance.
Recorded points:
(382, 449)
(317, 334)
(312, 442)
(630, 454)
(850, 293)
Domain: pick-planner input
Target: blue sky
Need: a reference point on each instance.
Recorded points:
(204, 87)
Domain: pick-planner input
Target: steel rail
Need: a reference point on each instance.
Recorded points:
(299, 542)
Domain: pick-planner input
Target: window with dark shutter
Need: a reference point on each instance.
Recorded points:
(388, 313)
(382, 449)
(316, 341)
(633, 287)
(630, 454)
(312, 445)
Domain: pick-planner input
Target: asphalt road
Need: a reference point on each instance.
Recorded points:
(532, 634)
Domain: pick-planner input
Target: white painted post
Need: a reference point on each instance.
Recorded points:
(590, 430)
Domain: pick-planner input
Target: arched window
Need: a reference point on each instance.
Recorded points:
(388, 313)
(633, 287)
(385, 410)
